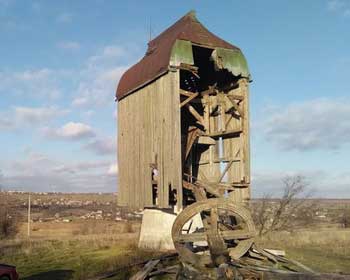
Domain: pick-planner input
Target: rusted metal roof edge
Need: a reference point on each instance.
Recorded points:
(245, 74)
(232, 60)
(142, 85)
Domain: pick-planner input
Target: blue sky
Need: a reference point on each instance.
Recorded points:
(61, 62)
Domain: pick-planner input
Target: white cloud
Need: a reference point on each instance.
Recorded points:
(100, 89)
(39, 83)
(32, 76)
(113, 169)
(339, 6)
(5, 123)
(81, 167)
(39, 172)
(21, 117)
(106, 54)
(88, 113)
(99, 79)
(105, 146)
(37, 114)
(33, 163)
(69, 45)
(65, 18)
(99, 182)
(71, 131)
(335, 5)
(315, 124)
(80, 101)
(270, 182)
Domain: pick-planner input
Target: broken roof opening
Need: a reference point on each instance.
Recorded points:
(176, 45)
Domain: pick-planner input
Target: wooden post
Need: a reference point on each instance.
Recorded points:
(29, 208)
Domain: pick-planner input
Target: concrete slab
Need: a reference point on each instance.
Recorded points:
(156, 230)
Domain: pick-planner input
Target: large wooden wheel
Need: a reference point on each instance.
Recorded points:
(211, 231)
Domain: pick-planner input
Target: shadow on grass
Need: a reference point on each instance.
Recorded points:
(51, 275)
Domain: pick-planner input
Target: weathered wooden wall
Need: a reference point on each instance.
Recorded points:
(149, 128)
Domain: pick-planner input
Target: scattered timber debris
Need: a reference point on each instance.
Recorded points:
(263, 266)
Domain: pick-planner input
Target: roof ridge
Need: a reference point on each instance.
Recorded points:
(191, 15)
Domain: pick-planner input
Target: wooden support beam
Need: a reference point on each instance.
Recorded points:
(222, 114)
(186, 93)
(237, 159)
(206, 111)
(235, 106)
(194, 113)
(203, 176)
(210, 90)
(225, 171)
(239, 184)
(191, 138)
(223, 134)
(228, 120)
(188, 99)
(190, 68)
(236, 97)
(205, 140)
(186, 66)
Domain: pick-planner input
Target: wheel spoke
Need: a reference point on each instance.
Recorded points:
(227, 230)
(192, 237)
(214, 219)
(189, 227)
(231, 227)
(236, 234)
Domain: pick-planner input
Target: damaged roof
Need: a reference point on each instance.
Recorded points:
(160, 51)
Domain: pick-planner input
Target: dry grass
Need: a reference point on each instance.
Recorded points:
(81, 248)
(319, 237)
(62, 230)
(324, 250)
(84, 248)
(88, 248)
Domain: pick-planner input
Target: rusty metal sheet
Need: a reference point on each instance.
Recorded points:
(157, 58)
(232, 60)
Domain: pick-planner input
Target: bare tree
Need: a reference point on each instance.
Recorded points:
(345, 218)
(8, 225)
(1, 178)
(292, 209)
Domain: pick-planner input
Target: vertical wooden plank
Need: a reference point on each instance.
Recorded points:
(133, 168)
(246, 134)
(120, 197)
(159, 116)
(166, 137)
(205, 102)
(177, 139)
(222, 109)
(147, 174)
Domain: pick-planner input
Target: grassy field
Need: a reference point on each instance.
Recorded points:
(70, 251)
(85, 248)
(61, 251)
(324, 250)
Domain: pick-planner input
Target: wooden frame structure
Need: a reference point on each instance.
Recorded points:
(183, 117)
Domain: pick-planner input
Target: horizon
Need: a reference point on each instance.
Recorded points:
(61, 63)
(116, 194)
